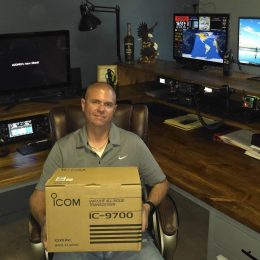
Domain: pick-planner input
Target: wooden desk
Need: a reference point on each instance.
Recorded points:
(218, 177)
(212, 76)
(135, 79)
(16, 169)
(216, 173)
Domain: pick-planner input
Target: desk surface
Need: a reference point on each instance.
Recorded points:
(218, 174)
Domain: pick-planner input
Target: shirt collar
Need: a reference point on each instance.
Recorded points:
(114, 136)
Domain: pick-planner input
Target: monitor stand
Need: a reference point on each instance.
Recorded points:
(195, 66)
(256, 78)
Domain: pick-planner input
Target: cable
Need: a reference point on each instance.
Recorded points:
(218, 124)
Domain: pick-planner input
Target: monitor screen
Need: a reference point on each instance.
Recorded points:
(249, 41)
(34, 61)
(20, 128)
(200, 38)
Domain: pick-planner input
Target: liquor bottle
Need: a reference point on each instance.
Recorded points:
(129, 45)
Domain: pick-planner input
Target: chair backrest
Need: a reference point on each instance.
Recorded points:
(66, 119)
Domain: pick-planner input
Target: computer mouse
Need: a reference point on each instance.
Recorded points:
(3, 151)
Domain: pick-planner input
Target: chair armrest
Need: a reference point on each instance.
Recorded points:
(166, 223)
(167, 213)
(34, 230)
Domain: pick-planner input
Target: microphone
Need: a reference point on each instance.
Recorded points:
(110, 77)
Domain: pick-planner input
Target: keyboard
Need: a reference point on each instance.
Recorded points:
(34, 147)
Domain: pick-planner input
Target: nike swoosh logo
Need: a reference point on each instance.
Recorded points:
(122, 157)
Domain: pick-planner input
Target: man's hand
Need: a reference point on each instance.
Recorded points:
(145, 214)
(37, 207)
(157, 193)
(44, 234)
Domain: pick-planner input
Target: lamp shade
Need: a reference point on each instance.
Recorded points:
(88, 22)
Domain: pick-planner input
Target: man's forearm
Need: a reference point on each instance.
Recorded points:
(158, 192)
(156, 195)
(37, 206)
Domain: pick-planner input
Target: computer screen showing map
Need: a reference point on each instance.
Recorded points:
(200, 38)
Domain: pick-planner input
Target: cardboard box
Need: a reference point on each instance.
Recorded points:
(94, 209)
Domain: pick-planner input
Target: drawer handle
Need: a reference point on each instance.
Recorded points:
(248, 253)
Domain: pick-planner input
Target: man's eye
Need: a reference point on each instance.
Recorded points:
(109, 105)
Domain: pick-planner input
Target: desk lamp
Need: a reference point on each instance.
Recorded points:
(89, 21)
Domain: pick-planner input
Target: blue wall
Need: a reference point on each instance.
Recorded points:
(88, 49)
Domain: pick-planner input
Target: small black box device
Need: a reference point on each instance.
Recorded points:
(255, 139)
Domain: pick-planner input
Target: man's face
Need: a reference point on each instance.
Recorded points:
(99, 106)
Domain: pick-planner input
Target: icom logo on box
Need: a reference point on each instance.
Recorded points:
(68, 202)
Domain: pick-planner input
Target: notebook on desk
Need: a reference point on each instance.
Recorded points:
(187, 122)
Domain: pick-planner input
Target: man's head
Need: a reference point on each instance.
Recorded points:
(99, 104)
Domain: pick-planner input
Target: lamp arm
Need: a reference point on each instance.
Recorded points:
(107, 9)
(119, 60)
(115, 10)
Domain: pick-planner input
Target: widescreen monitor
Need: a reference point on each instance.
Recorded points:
(249, 41)
(34, 61)
(200, 38)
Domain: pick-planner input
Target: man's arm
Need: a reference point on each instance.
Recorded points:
(156, 195)
(37, 207)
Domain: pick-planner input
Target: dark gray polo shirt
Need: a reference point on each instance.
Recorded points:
(124, 149)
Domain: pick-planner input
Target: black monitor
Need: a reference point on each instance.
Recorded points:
(34, 62)
(200, 39)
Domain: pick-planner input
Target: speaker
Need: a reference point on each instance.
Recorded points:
(228, 63)
(75, 87)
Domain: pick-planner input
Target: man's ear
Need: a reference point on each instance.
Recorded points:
(115, 108)
(83, 104)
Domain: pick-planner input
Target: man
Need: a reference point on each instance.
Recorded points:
(101, 143)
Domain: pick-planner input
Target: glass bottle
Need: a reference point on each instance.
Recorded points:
(129, 45)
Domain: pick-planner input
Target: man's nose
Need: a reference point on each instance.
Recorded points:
(101, 106)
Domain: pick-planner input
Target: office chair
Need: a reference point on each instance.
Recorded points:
(163, 223)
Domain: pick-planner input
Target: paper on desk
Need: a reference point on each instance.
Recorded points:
(253, 153)
(187, 122)
(241, 138)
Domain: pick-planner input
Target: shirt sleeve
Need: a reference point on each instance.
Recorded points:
(52, 163)
(150, 170)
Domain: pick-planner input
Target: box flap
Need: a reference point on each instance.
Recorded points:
(95, 176)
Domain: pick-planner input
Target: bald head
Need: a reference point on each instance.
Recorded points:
(101, 86)
(99, 105)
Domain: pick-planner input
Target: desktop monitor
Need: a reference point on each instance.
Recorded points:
(249, 41)
(200, 39)
(33, 62)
